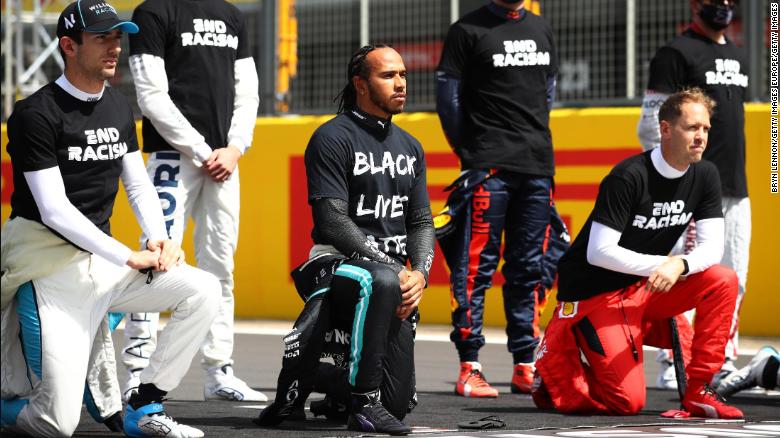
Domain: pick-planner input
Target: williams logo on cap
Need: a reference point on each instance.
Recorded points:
(69, 23)
(94, 16)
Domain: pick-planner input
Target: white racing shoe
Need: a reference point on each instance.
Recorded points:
(666, 378)
(222, 384)
(152, 421)
(762, 370)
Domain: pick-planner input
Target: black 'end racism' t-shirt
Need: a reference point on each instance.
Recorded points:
(200, 40)
(86, 140)
(649, 210)
(504, 66)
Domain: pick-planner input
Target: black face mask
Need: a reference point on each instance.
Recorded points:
(717, 17)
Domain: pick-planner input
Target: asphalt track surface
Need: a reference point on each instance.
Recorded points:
(258, 359)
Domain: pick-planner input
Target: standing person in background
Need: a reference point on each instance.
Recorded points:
(197, 87)
(703, 57)
(495, 88)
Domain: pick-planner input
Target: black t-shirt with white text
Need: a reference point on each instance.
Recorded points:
(86, 140)
(503, 65)
(199, 40)
(649, 210)
(720, 70)
(377, 168)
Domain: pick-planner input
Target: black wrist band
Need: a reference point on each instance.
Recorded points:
(685, 267)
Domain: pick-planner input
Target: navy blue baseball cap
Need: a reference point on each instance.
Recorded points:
(94, 16)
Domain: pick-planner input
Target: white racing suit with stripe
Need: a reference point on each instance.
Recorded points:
(30, 251)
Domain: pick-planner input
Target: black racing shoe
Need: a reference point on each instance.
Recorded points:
(273, 415)
(331, 409)
(368, 415)
(297, 412)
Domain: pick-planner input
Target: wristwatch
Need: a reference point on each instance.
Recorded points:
(685, 266)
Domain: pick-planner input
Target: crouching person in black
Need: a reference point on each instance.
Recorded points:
(367, 188)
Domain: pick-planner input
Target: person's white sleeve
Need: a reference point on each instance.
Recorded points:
(151, 87)
(143, 196)
(57, 213)
(245, 103)
(648, 128)
(710, 235)
(604, 252)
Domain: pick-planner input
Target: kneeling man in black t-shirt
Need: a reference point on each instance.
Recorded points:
(367, 190)
(618, 286)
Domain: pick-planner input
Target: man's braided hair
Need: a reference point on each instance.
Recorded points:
(347, 98)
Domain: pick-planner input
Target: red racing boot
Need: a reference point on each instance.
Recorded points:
(471, 382)
(522, 378)
(702, 401)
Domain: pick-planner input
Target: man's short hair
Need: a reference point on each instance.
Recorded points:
(672, 108)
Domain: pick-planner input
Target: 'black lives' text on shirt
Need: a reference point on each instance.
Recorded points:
(377, 168)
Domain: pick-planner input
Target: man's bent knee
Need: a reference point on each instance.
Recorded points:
(46, 426)
(613, 406)
(206, 292)
(625, 404)
(385, 279)
(723, 275)
(626, 397)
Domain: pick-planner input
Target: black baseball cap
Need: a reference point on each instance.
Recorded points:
(95, 16)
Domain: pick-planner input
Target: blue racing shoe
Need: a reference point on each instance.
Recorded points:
(151, 420)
